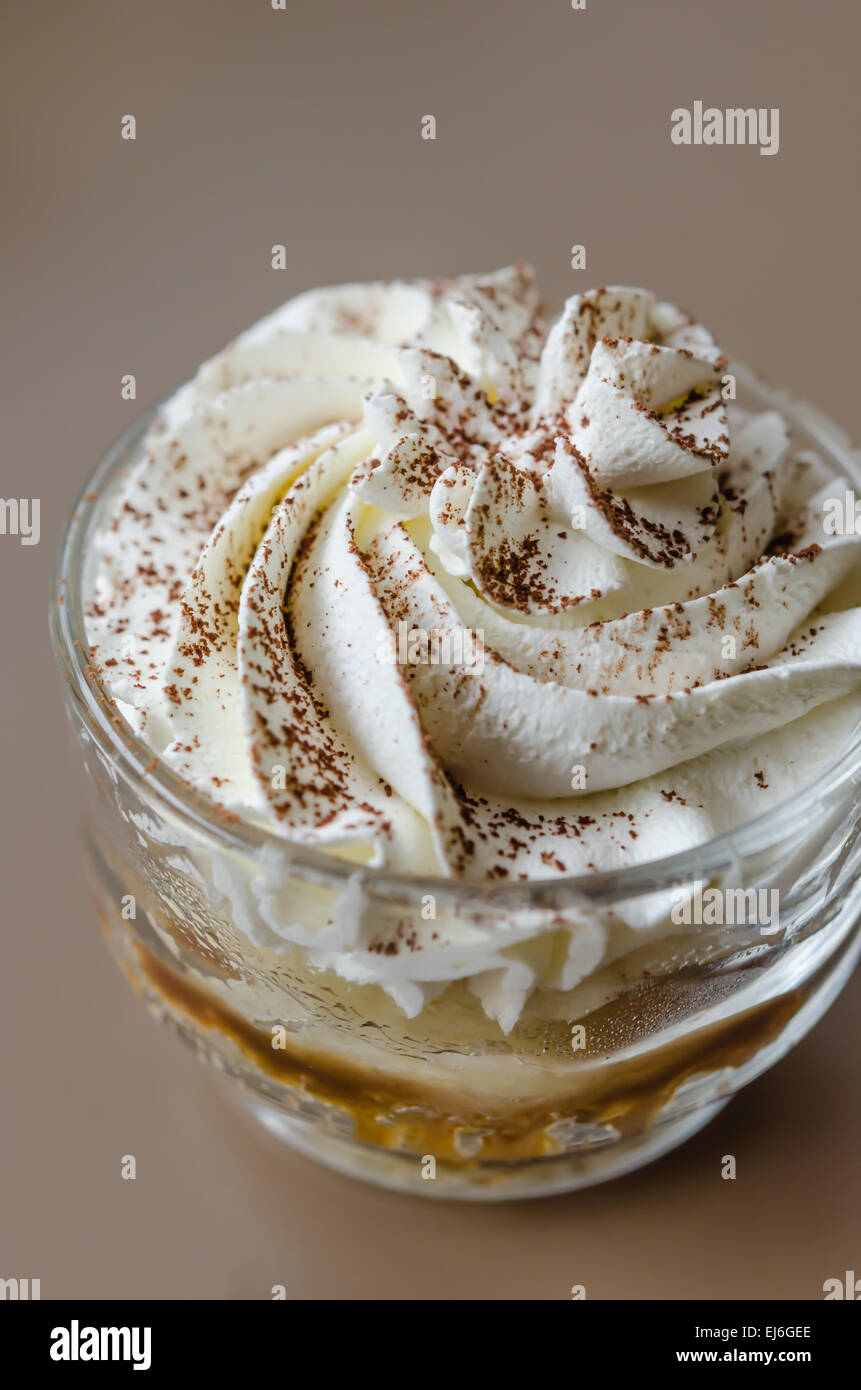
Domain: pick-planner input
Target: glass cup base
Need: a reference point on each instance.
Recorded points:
(487, 1182)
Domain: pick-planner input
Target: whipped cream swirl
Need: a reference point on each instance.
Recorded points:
(379, 481)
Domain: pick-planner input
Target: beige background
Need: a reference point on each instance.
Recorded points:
(302, 127)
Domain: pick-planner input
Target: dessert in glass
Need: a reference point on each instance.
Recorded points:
(469, 710)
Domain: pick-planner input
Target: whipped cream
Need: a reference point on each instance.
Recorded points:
(670, 641)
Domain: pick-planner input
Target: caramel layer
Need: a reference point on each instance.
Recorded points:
(394, 1114)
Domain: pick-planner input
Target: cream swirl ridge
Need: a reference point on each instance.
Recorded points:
(667, 630)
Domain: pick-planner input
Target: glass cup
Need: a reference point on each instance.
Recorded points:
(589, 1084)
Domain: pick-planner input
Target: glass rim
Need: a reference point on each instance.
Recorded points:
(152, 777)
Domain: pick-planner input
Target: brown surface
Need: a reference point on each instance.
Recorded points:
(256, 127)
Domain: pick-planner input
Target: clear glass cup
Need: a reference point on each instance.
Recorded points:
(588, 1085)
